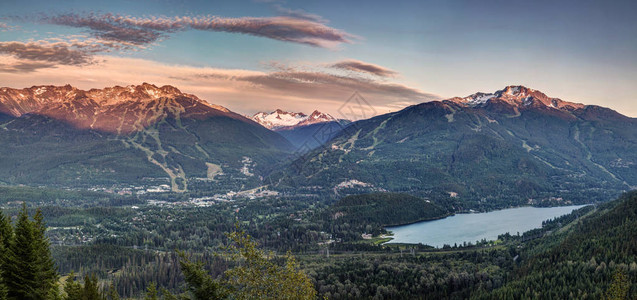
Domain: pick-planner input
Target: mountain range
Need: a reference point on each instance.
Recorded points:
(512, 146)
(283, 120)
(515, 146)
(305, 132)
(66, 136)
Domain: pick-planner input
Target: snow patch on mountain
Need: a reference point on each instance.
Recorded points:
(279, 119)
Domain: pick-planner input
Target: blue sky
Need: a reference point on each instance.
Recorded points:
(580, 51)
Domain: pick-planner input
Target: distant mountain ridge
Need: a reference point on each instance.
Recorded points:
(309, 137)
(283, 120)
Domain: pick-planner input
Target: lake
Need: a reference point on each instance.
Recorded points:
(477, 226)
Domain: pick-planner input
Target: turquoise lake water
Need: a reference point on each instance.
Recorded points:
(477, 226)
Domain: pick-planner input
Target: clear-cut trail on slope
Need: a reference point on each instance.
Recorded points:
(132, 134)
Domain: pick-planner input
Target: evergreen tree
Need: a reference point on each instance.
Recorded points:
(22, 264)
(46, 274)
(72, 288)
(200, 285)
(112, 292)
(91, 290)
(3, 287)
(6, 234)
(167, 295)
(151, 292)
(30, 273)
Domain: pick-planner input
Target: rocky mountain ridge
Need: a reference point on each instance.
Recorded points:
(117, 109)
(283, 120)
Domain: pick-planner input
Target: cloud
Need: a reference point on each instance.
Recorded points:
(312, 84)
(279, 28)
(359, 66)
(299, 14)
(296, 27)
(6, 27)
(51, 53)
(244, 91)
(23, 66)
(116, 28)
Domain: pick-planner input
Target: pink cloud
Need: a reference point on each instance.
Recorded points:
(360, 66)
(295, 27)
(43, 54)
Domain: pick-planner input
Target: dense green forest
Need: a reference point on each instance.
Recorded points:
(128, 249)
(387, 209)
(27, 271)
(599, 251)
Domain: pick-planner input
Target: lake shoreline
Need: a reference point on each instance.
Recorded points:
(479, 212)
(423, 220)
(479, 235)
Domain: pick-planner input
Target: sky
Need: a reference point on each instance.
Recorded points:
(260, 55)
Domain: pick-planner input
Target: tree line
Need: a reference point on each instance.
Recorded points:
(27, 271)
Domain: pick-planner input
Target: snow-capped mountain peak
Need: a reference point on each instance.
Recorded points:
(280, 119)
(516, 95)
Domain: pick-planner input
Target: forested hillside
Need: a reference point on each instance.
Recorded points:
(516, 146)
(384, 209)
(599, 254)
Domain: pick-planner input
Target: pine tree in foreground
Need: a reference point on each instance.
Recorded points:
(22, 264)
(46, 274)
(72, 288)
(3, 287)
(6, 233)
(28, 270)
(88, 291)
